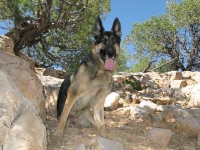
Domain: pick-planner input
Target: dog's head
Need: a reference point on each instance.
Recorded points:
(107, 43)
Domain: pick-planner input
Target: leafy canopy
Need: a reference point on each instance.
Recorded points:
(169, 36)
(55, 33)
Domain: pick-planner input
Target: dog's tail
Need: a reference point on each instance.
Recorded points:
(62, 96)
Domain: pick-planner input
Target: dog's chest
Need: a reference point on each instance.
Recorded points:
(97, 90)
(102, 79)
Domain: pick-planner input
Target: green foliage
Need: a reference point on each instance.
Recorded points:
(147, 36)
(169, 36)
(123, 57)
(54, 33)
(140, 64)
(165, 68)
(187, 98)
(136, 84)
(184, 13)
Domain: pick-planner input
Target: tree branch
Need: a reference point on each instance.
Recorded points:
(148, 66)
(165, 64)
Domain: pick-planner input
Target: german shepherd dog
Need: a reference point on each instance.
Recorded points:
(86, 88)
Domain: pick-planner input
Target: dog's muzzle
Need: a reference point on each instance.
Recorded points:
(109, 60)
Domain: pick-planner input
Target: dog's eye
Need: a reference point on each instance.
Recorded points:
(103, 41)
(114, 40)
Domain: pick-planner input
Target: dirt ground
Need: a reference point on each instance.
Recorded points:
(130, 133)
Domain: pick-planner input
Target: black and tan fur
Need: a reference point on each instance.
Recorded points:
(88, 87)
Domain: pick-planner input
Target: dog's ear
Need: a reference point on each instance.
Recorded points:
(98, 27)
(116, 28)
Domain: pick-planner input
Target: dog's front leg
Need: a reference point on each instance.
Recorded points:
(65, 113)
(98, 111)
(71, 99)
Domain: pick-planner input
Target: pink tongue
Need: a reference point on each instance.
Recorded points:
(109, 64)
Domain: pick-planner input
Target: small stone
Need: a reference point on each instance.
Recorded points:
(159, 135)
(105, 144)
(111, 102)
(138, 113)
(80, 146)
(148, 105)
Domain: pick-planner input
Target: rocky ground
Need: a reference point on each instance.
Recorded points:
(131, 131)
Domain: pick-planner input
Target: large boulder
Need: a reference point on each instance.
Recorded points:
(28, 59)
(20, 123)
(25, 79)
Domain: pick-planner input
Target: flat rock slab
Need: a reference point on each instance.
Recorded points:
(105, 144)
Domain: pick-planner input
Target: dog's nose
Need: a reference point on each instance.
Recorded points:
(110, 53)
